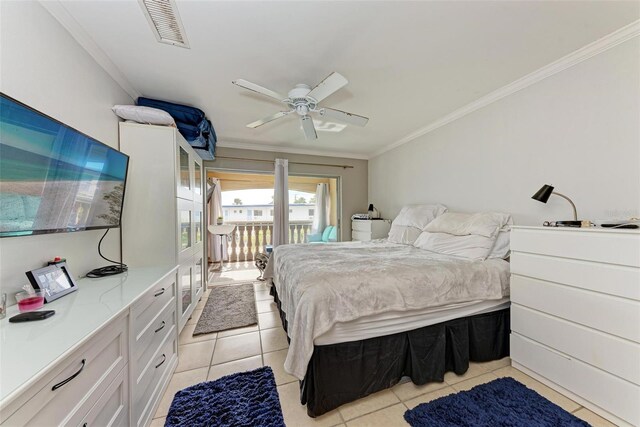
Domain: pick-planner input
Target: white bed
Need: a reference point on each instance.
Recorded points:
(352, 291)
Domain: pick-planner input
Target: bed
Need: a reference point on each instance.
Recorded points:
(428, 299)
(361, 315)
